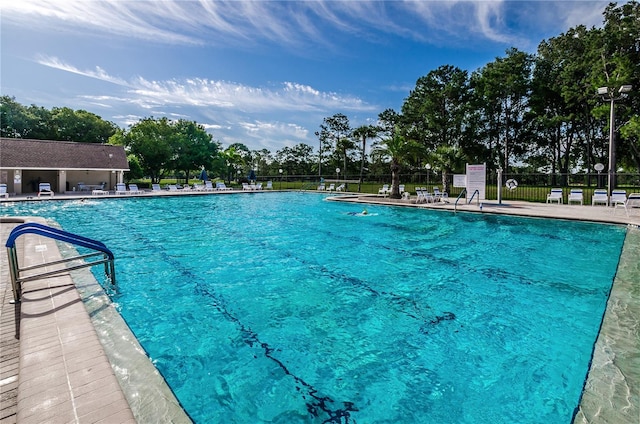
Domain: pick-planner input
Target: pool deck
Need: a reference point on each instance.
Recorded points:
(59, 366)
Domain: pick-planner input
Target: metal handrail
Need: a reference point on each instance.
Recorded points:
(455, 205)
(54, 233)
(474, 195)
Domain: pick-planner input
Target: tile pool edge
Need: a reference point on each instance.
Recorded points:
(611, 390)
(149, 396)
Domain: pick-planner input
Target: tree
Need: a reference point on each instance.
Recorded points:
(502, 88)
(80, 126)
(333, 132)
(447, 159)
(397, 149)
(362, 133)
(152, 141)
(193, 147)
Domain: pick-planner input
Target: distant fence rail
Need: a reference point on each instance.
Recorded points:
(531, 187)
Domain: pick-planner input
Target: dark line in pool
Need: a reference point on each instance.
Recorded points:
(319, 403)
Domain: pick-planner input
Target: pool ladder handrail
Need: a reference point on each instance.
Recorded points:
(61, 235)
(463, 192)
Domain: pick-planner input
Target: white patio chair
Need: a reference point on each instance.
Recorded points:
(269, 185)
(45, 188)
(599, 196)
(384, 190)
(555, 196)
(340, 187)
(618, 197)
(3, 191)
(632, 202)
(121, 188)
(331, 187)
(133, 189)
(575, 195)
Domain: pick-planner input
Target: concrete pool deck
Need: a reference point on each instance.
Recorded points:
(59, 365)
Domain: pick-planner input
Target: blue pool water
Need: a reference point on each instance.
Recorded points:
(287, 308)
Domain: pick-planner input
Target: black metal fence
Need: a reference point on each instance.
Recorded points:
(531, 187)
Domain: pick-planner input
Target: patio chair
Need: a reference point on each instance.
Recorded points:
(121, 188)
(45, 188)
(384, 190)
(222, 187)
(155, 188)
(440, 196)
(3, 191)
(618, 197)
(133, 189)
(599, 196)
(269, 185)
(340, 187)
(555, 196)
(321, 187)
(208, 186)
(575, 195)
(632, 202)
(401, 187)
(172, 187)
(331, 187)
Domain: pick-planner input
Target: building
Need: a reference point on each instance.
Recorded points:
(67, 166)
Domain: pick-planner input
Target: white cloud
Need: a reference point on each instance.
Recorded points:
(301, 23)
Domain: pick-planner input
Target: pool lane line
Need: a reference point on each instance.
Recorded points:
(320, 403)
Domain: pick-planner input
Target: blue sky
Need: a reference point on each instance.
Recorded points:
(262, 73)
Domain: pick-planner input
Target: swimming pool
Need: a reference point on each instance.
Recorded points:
(286, 308)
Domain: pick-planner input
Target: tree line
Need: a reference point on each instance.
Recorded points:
(521, 112)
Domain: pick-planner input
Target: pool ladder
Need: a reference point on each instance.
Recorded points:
(105, 256)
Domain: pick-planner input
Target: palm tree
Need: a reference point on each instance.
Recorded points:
(363, 132)
(398, 149)
(447, 159)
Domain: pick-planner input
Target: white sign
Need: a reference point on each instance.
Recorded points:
(476, 180)
(459, 180)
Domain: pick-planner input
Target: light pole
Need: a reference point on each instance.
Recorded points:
(280, 171)
(337, 173)
(609, 94)
(428, 166)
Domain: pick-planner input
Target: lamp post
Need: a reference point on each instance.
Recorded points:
(610, 95)
(428, 167)
(280, 171)
(337, 173)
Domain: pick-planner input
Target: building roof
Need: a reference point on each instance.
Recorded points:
(18, 153)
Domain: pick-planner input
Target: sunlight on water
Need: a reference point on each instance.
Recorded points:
(286, 308)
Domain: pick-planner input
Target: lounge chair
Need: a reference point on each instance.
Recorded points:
(3, 191)
(172, 187)
(121, 188)
(555, 196)
(618, 197)
(82, 187)
(331, 187)
(222, 187)
(632, 202)
(155, 188)
(440, 196)
(269, 185)
(599, 196)
(575, 195)
(401, 187)
(208, 186)
(133, 189)
(384, 190)
(246, 187)
(45, 188)
(321, 187)
(341, 187)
